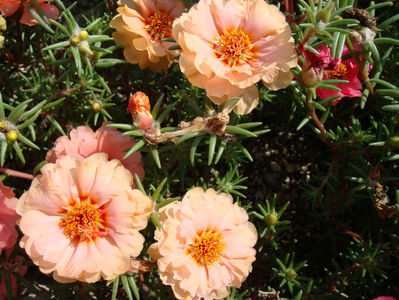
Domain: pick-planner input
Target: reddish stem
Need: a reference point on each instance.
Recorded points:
(16, 173)
(111, 6)
(317, 122)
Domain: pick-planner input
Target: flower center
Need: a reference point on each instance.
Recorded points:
(160, 25)
(206, 248)
(84, 222)
(234, 48)
(339, 73)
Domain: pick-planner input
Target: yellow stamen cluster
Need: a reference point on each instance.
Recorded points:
(234, 48)
(339, 73)
(160, 25)
(83, 222)
(206, 248)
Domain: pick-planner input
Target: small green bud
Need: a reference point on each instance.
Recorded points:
(74, 41)
(85, 48)
(324, 14)
(393, 142)
(310, 78)
(369, 263)
(96, 55)
(3, 126)
(271, 219)
(11, 135)
(83, 35)
(291, 274)
(96, 106)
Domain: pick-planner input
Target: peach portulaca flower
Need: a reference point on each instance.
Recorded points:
(205, 246)
(81, 219)
(83, 142)
(140, 27)
(8, 217)
(228, 46)
(9, 7)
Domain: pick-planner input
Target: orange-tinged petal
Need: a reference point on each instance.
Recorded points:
(195, 249)
(94, 233)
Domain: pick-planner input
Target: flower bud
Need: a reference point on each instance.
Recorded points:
(83, 35)
(368, 35)
(393, 142)
(324, 14)
(96, 106)
(85, 48)
(96, 55)
(11, 135)
(291, 274)
(3, 24)
(143, 120)
(3, 126)
(1, 41)
(355, 37)
(271, 220)
(310, 78)
(139, 102)
(74, 41)
(139, 107)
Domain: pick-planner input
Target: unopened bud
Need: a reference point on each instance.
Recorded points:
(369, 263)
(393, 142)
(96, 55)
(324, 14)
(143, 120)
(96, 106)
(1, 41)
(3, 126)
(310, 78)
(291, 274)
(368, 35)
(74, 41)
(271, 220)
(11, 135)
(355, 37)
(83, 35)
(3, 24)
(85, 48)
(139, 102)
(139, 107)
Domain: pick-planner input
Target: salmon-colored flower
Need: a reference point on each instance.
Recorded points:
(81, 219)
(8, 217)
(9, 7)
(83, 142)
(228, 46)
(140, 27)
(11, 265)
(205, 246)
(347, 69)
(139, 107)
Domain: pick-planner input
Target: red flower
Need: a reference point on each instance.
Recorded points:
(347, 69)
(315, 64)
(319, 61)
(384, 298)
(9, 7)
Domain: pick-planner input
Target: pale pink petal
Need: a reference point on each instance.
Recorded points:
(94, 232)
(211, 216)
